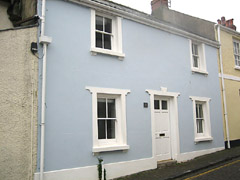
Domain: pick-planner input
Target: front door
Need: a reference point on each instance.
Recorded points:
(162, 128)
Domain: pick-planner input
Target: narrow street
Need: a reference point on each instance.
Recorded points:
(227, 170)
(222, 165)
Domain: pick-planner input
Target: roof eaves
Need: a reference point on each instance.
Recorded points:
(143, 18)
(229, 30)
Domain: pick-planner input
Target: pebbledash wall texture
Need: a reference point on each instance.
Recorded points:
(18, 104)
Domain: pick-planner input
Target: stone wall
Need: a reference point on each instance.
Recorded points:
(18, 104)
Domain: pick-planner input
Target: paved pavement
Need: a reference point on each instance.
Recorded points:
(178, 170)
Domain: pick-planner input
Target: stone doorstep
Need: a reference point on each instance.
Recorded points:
(161, 164)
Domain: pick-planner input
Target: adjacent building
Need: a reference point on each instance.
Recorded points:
(18, 90)
(229, 65)
(131, 88)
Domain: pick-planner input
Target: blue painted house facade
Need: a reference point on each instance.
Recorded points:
(127, 87)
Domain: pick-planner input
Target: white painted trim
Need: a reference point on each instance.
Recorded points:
(206, 135)
(162, 93)
(191, 155)
(110, 148)
(175, 148)
(108, 90)
(194, 70)
(121, 129)
(202, 58)
(230, 77)
(93, 35)
(199, 139)
(237, 67)
(108, 52)
(134, 17)
(195, 98)
(114, 170)
(116, 44)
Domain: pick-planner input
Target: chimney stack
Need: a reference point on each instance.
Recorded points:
(228, 23)
(159, 3)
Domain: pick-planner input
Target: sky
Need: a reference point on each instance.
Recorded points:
(205, 9)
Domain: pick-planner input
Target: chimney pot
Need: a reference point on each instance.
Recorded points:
(223, 21)
(228, 23)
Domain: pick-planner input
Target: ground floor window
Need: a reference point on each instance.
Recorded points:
(109, 119)
(201, 117)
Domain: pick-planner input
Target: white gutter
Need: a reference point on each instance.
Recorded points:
(44, 40)
(223, 88)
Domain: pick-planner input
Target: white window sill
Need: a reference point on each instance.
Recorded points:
(199, 71)
(237, 67)
(206, 138)
(110, 148)
(94, 51)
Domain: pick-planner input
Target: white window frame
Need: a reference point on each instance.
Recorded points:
(202, 67)
(116, 43)
(206, 135)
(120, 141)
(236, 54)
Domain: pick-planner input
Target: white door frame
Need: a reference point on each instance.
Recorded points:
(173, 117)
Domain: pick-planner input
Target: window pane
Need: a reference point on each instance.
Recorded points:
(101, 108)
(99, 23)
(195, 61)
(156, 104)
(111, 108)
(237, 60)
(101, 129)
(108, 25)
(195, 49)
(237, 48)
(199, 125)
(99, 40)
(107, 41)
(200, 111)
(164, 105)
(110, 129)
(197, 111)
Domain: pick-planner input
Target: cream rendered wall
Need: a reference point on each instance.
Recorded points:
(233, 108)
(5, 23)
(227, 54)
(232, 87)
(18, 104)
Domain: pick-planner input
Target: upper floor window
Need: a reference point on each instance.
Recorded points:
(195, 55)
(198, 61)
(106, 34)
(236, 53)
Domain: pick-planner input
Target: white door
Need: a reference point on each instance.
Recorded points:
(162, 128)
